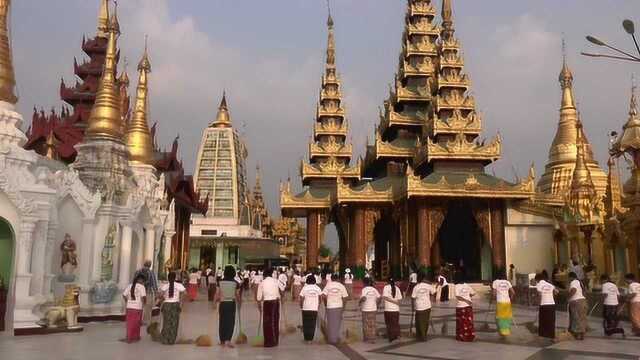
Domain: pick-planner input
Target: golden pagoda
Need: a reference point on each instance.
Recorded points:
(105, 121)
(557, 177)
(7, 75)
(138, 138)
(329, 152)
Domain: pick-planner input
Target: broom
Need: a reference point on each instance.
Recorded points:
(485, 326)
(411, 322)
(241, 339)
(288, 328)
(323, 326)
(258, 341)
(565, 335)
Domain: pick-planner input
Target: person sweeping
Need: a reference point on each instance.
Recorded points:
(633, 297)
(309, 302)
(503, 293)
(170, 297)
(421, 297)
(547, 308)
(227, 297)
(268, 297)
(578, 308)
(369, 299)
(392, 295)
(610, 308)
(465, 330)
(334, 294)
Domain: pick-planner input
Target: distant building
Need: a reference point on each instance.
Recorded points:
(291, 237)
(236, 226)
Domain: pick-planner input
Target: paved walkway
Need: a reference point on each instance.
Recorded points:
(100, 340)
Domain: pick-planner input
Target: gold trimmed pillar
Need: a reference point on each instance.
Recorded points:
(423, 234)
(497, 234)
(313, 238)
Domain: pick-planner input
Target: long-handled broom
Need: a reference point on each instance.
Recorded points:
(485, 325)
(258, 340)
(242, 337)
(288, 328)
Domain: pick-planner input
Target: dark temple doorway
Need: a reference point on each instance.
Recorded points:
(460, 241)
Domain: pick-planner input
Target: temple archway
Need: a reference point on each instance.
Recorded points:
(460, 240)
(7, 256)
(386, 247)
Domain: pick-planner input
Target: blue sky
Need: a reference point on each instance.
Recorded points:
(269, 56)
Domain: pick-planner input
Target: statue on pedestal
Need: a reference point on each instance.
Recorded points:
(69, 260)
(107, 255)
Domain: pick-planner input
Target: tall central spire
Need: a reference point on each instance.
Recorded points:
(7, 75)
(563, 153)
(139, 140)
(103, 19)
(223, 119)
(105, 119)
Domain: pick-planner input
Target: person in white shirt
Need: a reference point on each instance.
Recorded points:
(213, 286)
(577, 308)
(170, 297)
(309, 303)
(369, 299)
(348, 281)
(192, 287)
(577, 269)
(207, 272)
(392, 295)
(219, 274)
(610, 308)
(547, 308)
(318, 277)
(633, 297)
(268, 297)
(503, 292)
(296, 286)
(135, 296)
(257, 280)
(283, 279)
(421, 302)
(465, 330)
(334, 294)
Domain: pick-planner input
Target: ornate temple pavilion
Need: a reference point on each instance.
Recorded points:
(421, 195)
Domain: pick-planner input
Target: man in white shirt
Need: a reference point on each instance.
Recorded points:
(577, 308)
(334, 294)
(421, 296)
(268, 296)
(633, 297)
(610, 307)
(309, 302)
(413, 281)
(577, 268)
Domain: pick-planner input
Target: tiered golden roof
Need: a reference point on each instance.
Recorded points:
(139, 141)
(223, 119)
(329, 153)
(7, 75)
(556, 179)
(105, 121)
(630, 138)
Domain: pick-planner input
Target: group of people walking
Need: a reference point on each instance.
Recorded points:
(322, 302)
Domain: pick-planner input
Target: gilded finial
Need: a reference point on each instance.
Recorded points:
(7, 75)
(566, 77)
(114, 24)
(103, 19)
(106, 117)
(144, 63)
(447, 18)
(329, 19)
(331, 42)
(223, 119)
(139, 141)
(633, 104)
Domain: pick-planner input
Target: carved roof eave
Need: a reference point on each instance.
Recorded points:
(392, 118)
(325, 95)
(415, 187)
(385, 149)
(296, 205)
(410, 49)
(468, 103)
(342, 130)
(309, 171)
(458, 125)
(418, 9)
(315, 150)
(533, 207)
(320, 112)
(461, 149)
(366, 194)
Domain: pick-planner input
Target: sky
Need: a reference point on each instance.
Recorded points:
(269, 55)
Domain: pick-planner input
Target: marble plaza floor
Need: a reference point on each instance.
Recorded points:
(99, 341)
